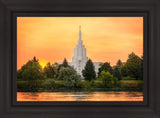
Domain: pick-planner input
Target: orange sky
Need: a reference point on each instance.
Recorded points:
(51, 39)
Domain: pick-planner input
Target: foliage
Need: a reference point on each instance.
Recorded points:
(89, 71)
(64, 64)
(128, 78)
(30, 71)
(124, 71)
(49, 71)
(133, 66)
(49, 84)
(117, 73)
(132, 84)
(141, 69)
(69, 76)
(105, 67)
(115, 82)
(119, 63)
(106, 78)
(77, 80)
(29, 85)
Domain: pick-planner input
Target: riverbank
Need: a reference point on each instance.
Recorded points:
(55, 86)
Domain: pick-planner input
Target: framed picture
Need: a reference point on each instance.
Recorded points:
(56, 76)
(79, 59)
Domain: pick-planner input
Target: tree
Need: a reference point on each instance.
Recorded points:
(119, 63)
(106, 78)
(89, 71)
(64, 64)
(77, 80)
(141, 69)
(69, 76)
(115, 82)
(105, 67)
(30, 71)
(124, 70)
(117, 73)
(131, 55)
(49, 71)
(133, 66)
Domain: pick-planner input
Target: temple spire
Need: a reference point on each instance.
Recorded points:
(80, 40)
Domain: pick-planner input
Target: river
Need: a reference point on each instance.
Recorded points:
(80, 96)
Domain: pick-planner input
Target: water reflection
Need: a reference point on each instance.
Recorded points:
(80, 96)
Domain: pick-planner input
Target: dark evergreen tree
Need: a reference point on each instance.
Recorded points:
(124, 71)
(35, 59)
(133, 66)
(119, 63)
(105, 67)
(117, 73)
(65, 63)
(131, 55)
(89, 71)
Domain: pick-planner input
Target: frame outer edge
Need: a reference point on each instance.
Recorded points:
(2, 26)
(157, 96)
(4, 67)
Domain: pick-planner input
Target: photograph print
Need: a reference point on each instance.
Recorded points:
(79, 59)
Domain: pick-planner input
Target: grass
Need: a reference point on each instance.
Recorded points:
(84, 85)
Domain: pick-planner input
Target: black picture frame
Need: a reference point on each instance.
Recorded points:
(10, 9)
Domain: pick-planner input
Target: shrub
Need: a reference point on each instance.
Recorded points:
(29, 85)
(86, 84)
(132, 84)
(59, 84)
(49, 84)
(106, 78)
(128, 78)
(115, 82)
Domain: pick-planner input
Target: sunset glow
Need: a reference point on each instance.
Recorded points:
(51, 39)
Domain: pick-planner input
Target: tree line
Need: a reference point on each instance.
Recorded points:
(133, 67)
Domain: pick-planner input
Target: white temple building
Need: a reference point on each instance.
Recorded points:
(80, 58)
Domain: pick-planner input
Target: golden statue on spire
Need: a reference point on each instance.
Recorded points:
(80, 27)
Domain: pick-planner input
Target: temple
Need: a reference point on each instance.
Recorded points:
(80, 58)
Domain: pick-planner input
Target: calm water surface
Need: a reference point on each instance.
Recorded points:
(80, 96)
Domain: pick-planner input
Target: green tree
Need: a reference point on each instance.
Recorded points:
(69, 76)
(30, 71)
(131, 55)
(77, 80)
(105, 67)
(89, 71)
(133, 66)
(119, 63)
(141, 69)
(124, 71)
(117, 73)
(106, 78)
(64, 64)
(49, 71)
(115, 82)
